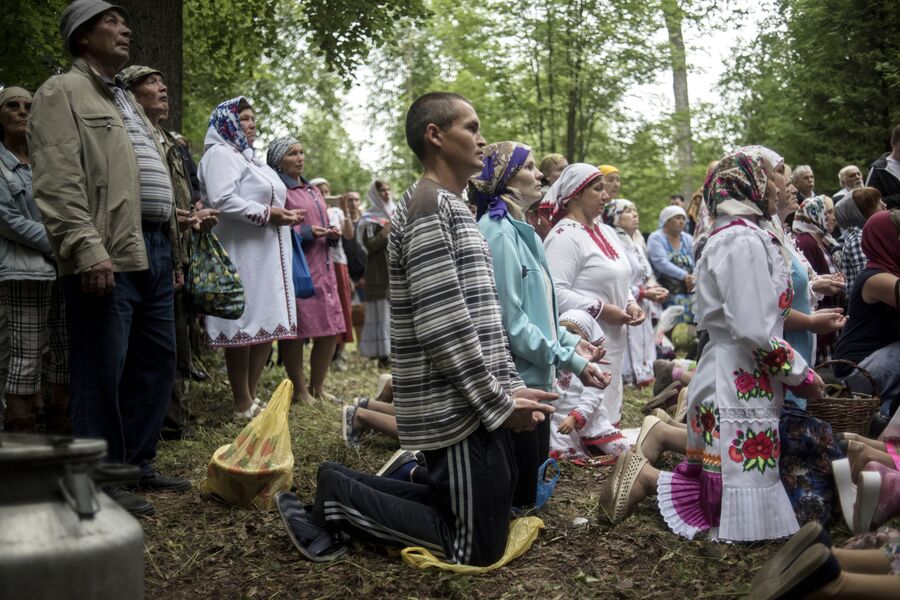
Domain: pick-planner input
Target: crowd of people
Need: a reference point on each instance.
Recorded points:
(512, 299)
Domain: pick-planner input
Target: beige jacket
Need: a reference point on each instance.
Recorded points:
(86, 180)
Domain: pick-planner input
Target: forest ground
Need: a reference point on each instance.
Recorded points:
(196, 547)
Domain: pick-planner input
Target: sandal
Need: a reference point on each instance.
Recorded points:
(810, 534)
(867, 490)
(260, 403)
(662, 398)
(614, 495)
(815, 568)
(241, 417)
(313, 542)
(843, 481)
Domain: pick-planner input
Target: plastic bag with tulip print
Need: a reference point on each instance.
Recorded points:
(259, 463)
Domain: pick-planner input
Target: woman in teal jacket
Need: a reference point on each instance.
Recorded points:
(508, 184)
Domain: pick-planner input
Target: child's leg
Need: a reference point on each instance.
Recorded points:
(873, 562)
(380, 422)
(381, 407)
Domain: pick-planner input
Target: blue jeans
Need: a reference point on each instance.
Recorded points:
(122, 356)
(884, 366)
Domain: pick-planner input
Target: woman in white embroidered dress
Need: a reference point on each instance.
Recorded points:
(591, 272)
(637, 364)
(253, 230)
(729, 483)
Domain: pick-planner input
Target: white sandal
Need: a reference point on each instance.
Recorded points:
(248, 415)
(867, 490)
(843, 481)
(260, 403)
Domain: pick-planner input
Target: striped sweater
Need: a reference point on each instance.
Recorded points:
(451, 364)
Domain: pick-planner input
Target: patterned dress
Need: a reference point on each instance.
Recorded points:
(729, 484)
(320, 315)
(244, 191)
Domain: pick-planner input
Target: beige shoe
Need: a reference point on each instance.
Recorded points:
(613, 506)
(383, 380)
(667, 419)
(681, 409)
(649, 423)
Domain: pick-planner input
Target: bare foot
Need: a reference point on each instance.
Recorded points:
(304, 399)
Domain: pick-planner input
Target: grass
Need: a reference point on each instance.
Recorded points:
(196, 547)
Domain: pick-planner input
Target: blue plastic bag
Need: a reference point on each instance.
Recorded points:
(303, 283)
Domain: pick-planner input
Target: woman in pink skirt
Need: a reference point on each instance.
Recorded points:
(728, 487)
(319, 317)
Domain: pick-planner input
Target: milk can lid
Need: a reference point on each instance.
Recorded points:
(19, 448)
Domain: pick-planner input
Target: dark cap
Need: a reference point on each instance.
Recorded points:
(80, 12)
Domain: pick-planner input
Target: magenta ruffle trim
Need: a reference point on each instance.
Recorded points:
(690, 499)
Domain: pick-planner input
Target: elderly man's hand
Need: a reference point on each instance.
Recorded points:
(99, 279)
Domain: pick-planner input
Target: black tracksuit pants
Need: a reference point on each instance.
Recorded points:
(462, 514)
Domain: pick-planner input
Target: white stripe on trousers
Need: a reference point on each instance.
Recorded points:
(335, 511)
(461, 499)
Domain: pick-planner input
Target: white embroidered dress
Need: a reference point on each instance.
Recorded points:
(641, 349)
(585, 278)
(729, 483)
(244, 190)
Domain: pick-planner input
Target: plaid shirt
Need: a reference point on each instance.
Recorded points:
(451, 364)
(854, 261)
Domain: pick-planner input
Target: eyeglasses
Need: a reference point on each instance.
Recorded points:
(17, 106)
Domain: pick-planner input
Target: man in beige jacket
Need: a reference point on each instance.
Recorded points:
(103, 188)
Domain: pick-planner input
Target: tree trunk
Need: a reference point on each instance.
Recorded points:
(684, 142)
(157, 41)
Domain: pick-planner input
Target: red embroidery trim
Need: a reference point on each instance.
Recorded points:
(601, 242)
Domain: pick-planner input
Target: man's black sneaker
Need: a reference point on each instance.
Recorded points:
(130, 501)
(157, 482)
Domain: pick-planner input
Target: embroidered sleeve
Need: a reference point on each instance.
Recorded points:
(580, 419)
(259, 219)
(778, 359)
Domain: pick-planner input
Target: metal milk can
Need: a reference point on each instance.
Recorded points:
(61, 537)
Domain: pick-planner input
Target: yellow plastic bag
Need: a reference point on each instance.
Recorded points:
(522, 533)
(259, 462)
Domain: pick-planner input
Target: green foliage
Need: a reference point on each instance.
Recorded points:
(550, 74)
(331, 154)
(31, 45)
(342, 31)
(822, 86)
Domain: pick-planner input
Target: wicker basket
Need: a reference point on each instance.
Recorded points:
(850, 413)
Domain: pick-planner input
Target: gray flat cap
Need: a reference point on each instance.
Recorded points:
(80, 12)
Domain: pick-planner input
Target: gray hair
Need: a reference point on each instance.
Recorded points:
(843, 173)
(800, 171)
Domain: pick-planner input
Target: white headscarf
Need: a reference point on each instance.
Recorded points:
(571, 182)
(378, 215)
(590, 329)
(669, 212)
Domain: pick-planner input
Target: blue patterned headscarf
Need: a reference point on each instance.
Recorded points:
(488, 190)
(226, 122)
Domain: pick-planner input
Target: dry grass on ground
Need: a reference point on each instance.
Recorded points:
(198, 548)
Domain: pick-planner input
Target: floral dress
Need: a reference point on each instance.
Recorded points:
(682, 259)
(729, 483)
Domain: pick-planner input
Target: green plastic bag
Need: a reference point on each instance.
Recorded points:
(213, 284)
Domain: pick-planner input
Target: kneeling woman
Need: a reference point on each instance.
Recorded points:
(508, 184)
(729, 485)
